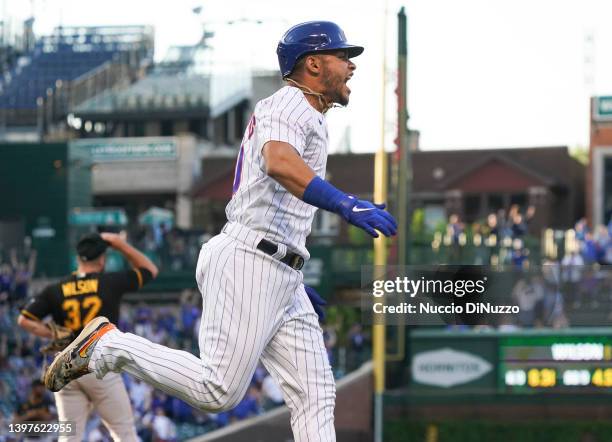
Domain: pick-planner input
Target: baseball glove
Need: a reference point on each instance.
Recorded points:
(62, 336)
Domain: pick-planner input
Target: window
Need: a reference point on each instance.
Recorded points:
(138, 129)
(472, 208)
(520, 199)
(167, 128)
(195, 126)
(495, 202)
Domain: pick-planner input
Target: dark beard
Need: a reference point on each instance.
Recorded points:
(333, 89)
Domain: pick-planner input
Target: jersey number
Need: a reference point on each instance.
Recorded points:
(238, 171)
(75, 309)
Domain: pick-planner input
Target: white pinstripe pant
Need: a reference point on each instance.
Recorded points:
(254, 307)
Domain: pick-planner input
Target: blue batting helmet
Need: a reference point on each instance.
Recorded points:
(308, 38)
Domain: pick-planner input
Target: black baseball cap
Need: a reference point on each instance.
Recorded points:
(91, 246)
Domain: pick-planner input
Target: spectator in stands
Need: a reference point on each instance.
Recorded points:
(161, 400)
(603, 244)
(527, 294)
(164, 429)
(190, 313)
(356, 347)
(571, 274)
(182, 411)
(260, 374)
(22, 283)
(272, 394)
(23, 271)
(492, 226)
(581, 228)
(6, 282)
(7, 326)
(454, 228)
(519, 255)
(22, 382)
(552, 307)
(38, 406)
(249, 405)
(588, 288)
(142, 322)
(140, 395)
(518, 226)
(157, 334)
(590, 250)
(329, 340)
(97, 434)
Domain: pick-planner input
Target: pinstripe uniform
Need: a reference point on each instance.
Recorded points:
(255, 306)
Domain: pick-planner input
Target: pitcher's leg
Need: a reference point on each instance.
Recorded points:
(112, 403)
(73, 406)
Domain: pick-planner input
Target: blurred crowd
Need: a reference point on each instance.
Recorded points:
(504, 238)
(501, 239)
(169, 247)
(562, 284)
(17, 269)
(592, 246)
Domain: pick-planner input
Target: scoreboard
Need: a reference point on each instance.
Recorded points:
(536, 362)
(571, 364)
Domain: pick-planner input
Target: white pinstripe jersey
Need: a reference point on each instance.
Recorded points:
(258, 201)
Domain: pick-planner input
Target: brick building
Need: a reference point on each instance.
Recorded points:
(471, 183)
(599, 174)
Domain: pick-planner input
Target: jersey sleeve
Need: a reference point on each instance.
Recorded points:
(39, 306)
(288, 124)
(128, 280)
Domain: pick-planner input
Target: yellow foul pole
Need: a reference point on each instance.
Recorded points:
(380, 253)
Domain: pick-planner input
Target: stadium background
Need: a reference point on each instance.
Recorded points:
(97, 135)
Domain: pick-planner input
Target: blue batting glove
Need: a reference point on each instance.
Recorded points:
(367, 216)
(316, 301)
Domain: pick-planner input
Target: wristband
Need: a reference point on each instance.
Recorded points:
(321, 194)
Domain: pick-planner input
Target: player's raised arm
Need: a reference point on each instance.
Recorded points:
(136, 258)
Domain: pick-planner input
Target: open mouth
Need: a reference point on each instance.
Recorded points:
(346, 80)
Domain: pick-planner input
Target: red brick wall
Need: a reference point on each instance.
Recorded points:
(495, 176)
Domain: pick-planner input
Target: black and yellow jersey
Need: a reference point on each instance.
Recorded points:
(77, 299)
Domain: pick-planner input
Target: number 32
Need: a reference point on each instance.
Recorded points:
(75, 309)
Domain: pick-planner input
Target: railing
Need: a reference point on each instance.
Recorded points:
(339, 266)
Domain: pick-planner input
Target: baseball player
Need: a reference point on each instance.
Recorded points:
(255, 303)
(73, 303)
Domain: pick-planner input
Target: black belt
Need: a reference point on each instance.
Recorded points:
(293, 260)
